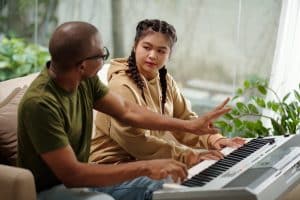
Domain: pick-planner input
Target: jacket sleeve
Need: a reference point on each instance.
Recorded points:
(182, 110)
(139, 143)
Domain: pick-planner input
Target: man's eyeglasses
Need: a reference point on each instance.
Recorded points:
(104, 56)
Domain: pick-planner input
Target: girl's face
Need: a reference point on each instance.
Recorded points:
(152, 53)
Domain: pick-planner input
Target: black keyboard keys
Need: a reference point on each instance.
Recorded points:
(229, 161)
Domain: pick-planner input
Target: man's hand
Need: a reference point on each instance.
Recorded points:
(72, 173)
(203, 124)
(195, 157)
(162, 168)
(235, 142)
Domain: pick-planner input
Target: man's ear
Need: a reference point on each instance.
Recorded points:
(81, 67)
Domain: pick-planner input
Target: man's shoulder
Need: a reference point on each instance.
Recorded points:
(91, 81)
(33, 100)
(38, 93)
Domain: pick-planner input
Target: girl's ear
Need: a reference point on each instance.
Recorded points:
(134, 47)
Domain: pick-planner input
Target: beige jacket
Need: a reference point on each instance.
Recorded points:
(116, 142)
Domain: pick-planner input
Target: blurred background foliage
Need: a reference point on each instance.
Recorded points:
(18, 58)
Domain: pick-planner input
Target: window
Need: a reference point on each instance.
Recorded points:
(220, 43)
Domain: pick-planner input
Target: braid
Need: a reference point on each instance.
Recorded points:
(163, 84)
(134, 73)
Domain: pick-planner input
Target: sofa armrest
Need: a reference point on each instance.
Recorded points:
(16, 183)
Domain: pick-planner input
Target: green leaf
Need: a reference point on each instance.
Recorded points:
(274, 106)
(294, 106)
(235, 97)
(239, 91)
(242, 107)
(246, 84)
(237, 123)
(250, 134)
(235, 112)
(262, 89)
(257, 83)
(269, 104)
(260, 101)
(286, 97)
(253, 109)
(228, 128)
(297, 95)
(278, 129)
(228, 116)
(250, 125)
(260, 129)
(291, 112)
(225, 127)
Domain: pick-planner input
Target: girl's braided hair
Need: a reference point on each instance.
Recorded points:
(143, 28)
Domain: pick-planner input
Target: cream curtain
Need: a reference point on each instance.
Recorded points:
(285, 74)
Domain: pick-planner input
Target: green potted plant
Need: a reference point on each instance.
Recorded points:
(248, 112)
(19, 58)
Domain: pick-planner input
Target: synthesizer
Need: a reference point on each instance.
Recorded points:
(262, 169)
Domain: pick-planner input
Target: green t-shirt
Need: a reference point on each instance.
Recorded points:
(50, 118)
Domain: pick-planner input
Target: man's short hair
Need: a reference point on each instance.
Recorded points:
(70, 42)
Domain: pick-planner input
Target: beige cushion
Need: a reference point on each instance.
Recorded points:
(8, 126)
(16, 184)
(6, 87)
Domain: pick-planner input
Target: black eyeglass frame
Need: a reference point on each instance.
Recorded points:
(104, 57)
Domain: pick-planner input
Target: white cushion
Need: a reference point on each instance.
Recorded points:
(6, 87)
(103, 73)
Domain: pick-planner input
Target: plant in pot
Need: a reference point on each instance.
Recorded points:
(19, 58)
(251, 107)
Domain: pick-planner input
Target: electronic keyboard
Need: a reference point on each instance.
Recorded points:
(262, 169)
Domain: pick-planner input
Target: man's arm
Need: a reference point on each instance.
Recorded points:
(135, 115)
(72, 173)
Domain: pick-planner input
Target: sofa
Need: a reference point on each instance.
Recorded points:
(17, 183)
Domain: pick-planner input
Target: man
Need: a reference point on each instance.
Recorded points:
(55, 125)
